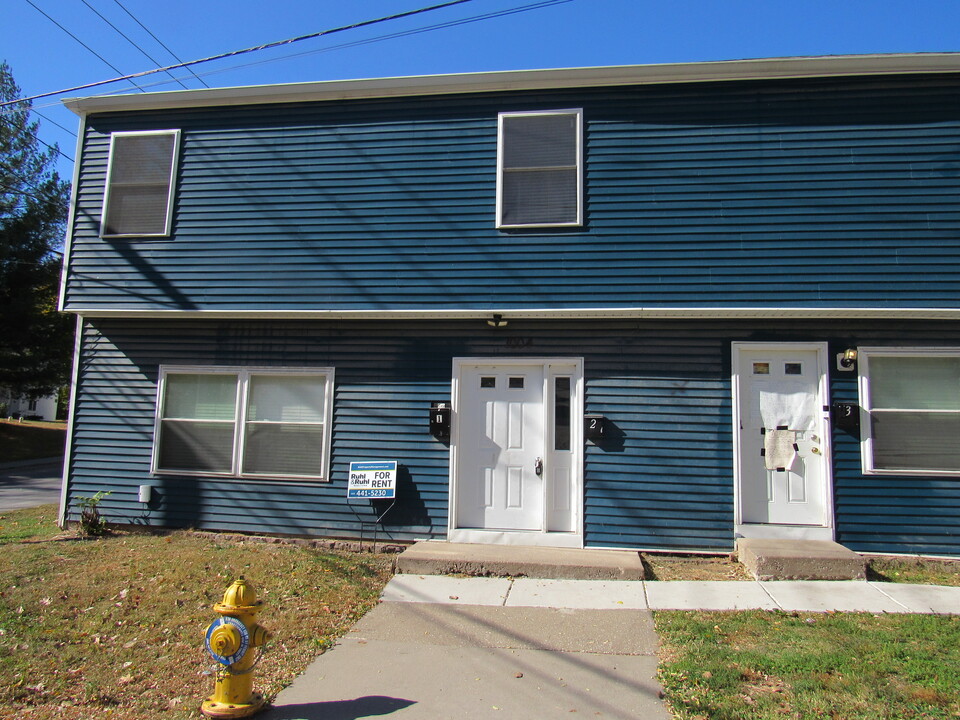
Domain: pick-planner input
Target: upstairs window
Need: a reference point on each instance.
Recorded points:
(540, 169)
(139, 196)
(911, 402)
(248, 423)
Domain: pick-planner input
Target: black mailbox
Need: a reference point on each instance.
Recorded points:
(594, 427)
(440, 420)
(846, 416)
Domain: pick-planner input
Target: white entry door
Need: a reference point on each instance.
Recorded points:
(782, 440)
(515, 474)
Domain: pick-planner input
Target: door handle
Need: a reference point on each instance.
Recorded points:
(538, 467)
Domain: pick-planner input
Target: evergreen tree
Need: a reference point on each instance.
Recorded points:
(35, 340)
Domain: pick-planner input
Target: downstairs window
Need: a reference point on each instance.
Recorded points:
(249, 423)
(911, 401)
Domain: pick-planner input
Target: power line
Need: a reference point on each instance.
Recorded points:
(403, 33)
(379, 38)
(54, 122)
(234, 53)
(161, 43)
(107, 62)
(55, 149)
(127, 38)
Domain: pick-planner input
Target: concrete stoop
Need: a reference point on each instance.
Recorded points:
(443, 558)
(799, 560)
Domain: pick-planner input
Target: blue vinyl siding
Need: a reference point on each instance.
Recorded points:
(663, 479)
(820, 193)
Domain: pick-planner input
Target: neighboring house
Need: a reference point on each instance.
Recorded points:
(669, 305)
(22, 406)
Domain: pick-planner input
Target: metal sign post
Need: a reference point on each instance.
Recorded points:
(374, 480)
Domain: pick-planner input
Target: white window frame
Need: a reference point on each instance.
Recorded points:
(866, 408)
(244, 375)
(171, 182)
(501, 118)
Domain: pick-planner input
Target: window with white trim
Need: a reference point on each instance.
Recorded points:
(540, 169)
(242, 422)
(911, 403)
(139, 197)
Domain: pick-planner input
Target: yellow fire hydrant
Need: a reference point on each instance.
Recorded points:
(231, 640)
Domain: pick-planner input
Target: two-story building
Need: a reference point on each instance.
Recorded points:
(651, 307)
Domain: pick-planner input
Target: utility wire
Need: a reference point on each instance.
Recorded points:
(159, 41)
(234, 53)
(403, 33)
(53, 122)
(55, 149)
(379, 38)
(115, 69)
(127, 38)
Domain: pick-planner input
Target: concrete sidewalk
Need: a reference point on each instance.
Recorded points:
(788, 595)
(449, 647)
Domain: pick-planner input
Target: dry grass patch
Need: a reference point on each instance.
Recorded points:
(113, 627)
(667, 566)
(923, 571)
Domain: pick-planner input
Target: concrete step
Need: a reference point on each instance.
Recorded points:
(442, 558)
(799, 560)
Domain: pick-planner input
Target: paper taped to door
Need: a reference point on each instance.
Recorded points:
(779, 449)
(791, 405)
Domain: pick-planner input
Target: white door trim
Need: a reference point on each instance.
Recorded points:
(827, 531)
(545, 538)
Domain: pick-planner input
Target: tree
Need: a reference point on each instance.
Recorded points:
(35, 340)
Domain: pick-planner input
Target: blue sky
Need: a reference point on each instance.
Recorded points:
(574, 33)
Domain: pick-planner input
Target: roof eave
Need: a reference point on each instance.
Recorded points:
(483, 82)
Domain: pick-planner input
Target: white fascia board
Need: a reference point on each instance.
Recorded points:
(71, 216)
(734, 313)
(481, 82)
(71, 416)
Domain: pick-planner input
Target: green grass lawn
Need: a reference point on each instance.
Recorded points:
(760, 664)
(113, 627)
(30, 440)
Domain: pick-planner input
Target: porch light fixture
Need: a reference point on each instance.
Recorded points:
(497, 321)
(847, 360)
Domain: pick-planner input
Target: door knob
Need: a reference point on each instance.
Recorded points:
(538, 467)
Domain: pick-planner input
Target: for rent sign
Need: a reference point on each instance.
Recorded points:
(374, 479)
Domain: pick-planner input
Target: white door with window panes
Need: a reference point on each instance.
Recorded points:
(782, 445)
(515, 474)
